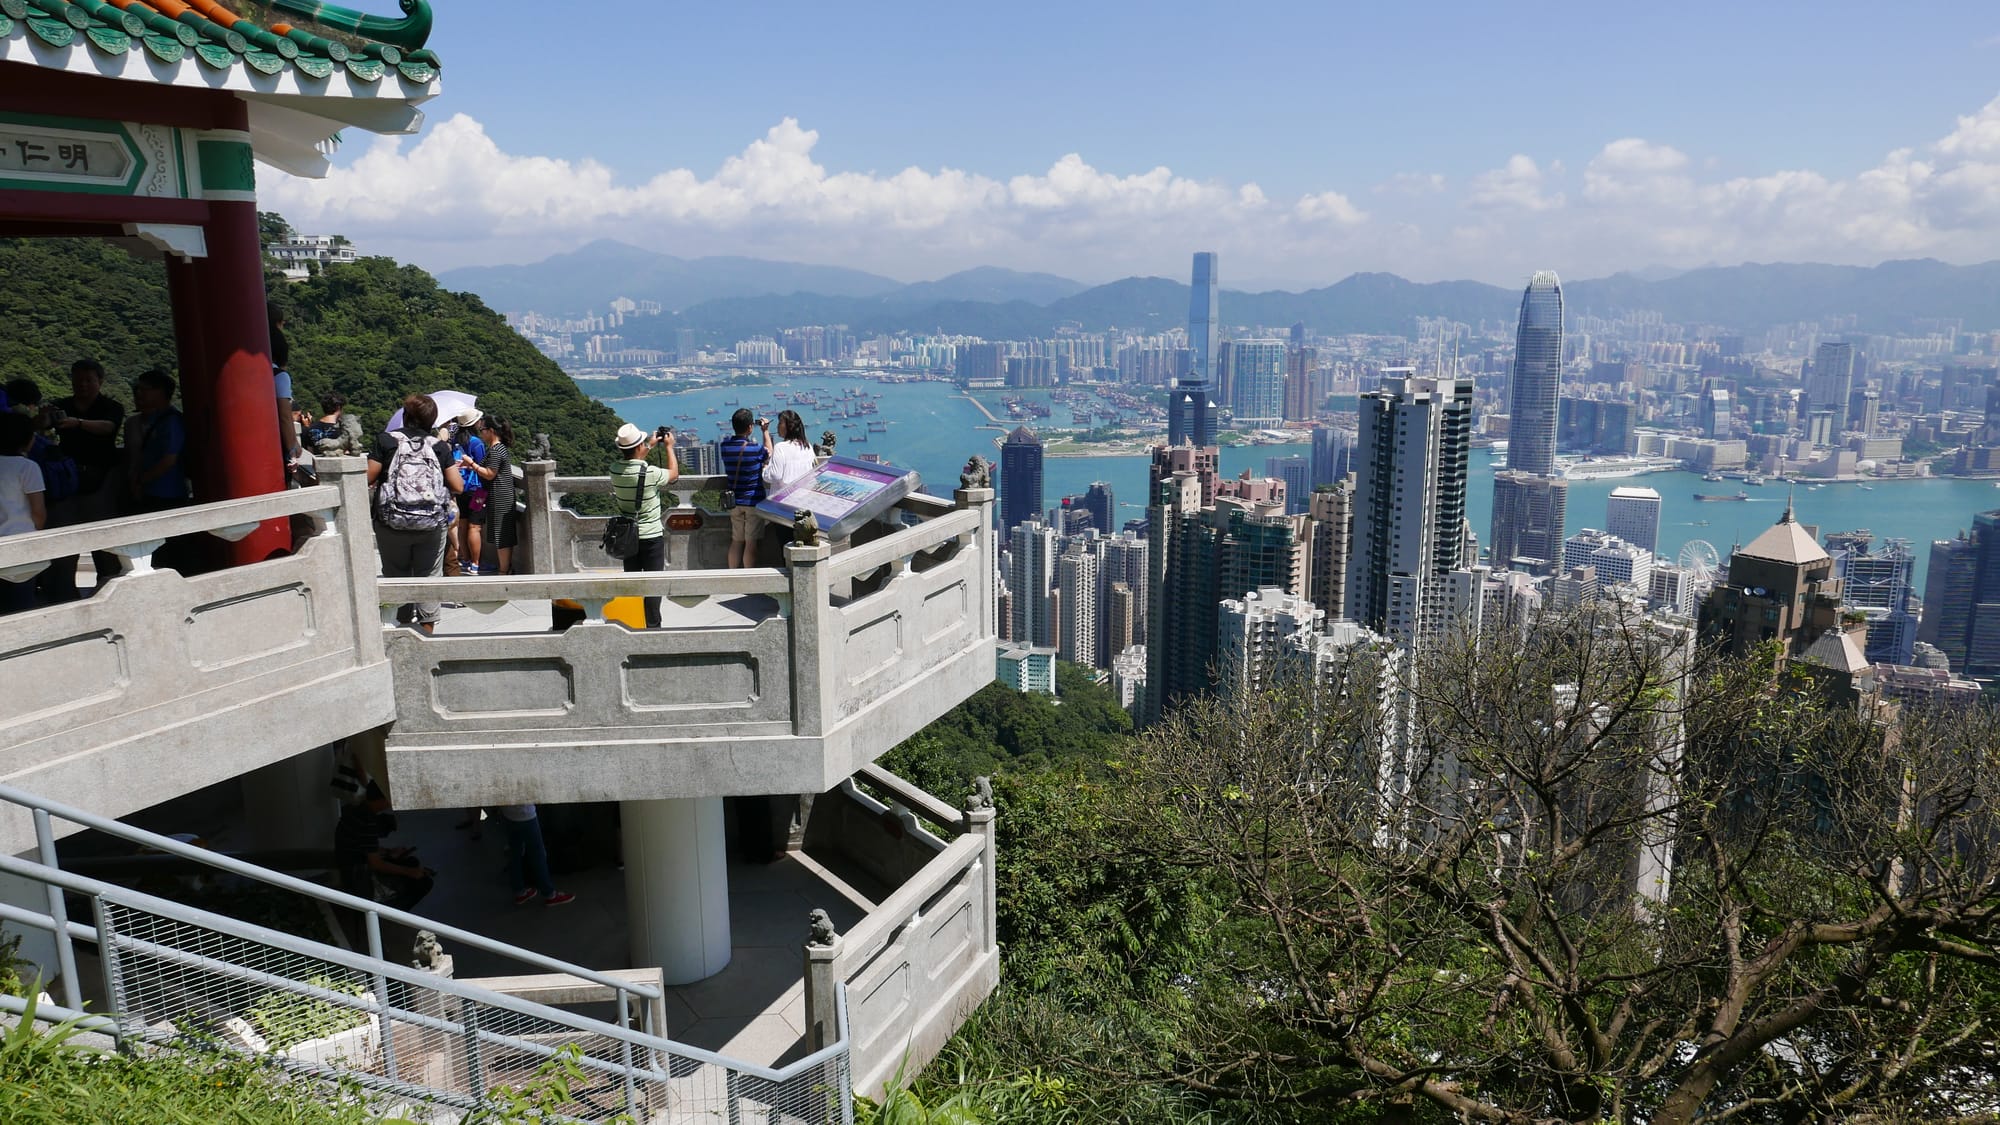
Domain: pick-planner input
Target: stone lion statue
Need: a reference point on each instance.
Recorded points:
(821, 926)
(805, 529)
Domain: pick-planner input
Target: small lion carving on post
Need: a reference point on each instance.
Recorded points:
(827, 440)
(977, 473)
(805, 529)
(982, 794)
(821, 926)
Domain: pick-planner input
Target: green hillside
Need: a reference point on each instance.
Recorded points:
(375, 331)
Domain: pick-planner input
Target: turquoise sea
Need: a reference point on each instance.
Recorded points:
(933, 429)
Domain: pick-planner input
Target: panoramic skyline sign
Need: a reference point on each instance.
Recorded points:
(1459, 141)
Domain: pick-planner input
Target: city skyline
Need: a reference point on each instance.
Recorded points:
(1099, 174)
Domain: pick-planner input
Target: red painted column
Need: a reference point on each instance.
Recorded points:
(227, 388)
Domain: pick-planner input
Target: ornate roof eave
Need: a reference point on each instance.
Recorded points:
(296, 104)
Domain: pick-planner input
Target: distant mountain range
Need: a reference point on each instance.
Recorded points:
(728, 298)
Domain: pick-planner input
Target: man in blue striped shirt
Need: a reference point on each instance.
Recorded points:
(743, 459)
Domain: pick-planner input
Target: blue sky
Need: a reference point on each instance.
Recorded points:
(1304, 140)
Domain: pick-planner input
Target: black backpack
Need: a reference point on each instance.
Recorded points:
(621, 534)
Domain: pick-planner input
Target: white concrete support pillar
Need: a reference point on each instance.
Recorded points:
(291, 804)
(677, 886)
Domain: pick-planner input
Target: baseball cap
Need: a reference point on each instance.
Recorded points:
(629, 436)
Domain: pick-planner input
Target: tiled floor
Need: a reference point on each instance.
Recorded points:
(754, 1010)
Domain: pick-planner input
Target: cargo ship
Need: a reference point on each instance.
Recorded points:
(1715, 499)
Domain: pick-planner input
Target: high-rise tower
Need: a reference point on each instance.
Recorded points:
(1532, 400)
(1204, 317)
(1831, 382)
(1259, 390)
(1190, 409)
(1020, 478)
(1530, 501)
(1409, 501)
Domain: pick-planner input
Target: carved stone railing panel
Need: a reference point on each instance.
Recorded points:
(918, 964)
(160, 684)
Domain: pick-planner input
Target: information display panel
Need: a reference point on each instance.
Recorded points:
(842, 494)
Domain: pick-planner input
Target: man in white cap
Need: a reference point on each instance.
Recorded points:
(635, 488)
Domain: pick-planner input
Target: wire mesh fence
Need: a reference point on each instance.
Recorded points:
(189, 980)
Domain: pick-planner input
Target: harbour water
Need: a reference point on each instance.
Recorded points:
(933, 428)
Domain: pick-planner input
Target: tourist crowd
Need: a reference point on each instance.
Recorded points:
(85, 457)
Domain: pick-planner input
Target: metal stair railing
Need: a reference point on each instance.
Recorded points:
(181, 977)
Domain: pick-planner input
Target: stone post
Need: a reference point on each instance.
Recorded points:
(822, 979)
(979, 822)
(538, 538)
(981, 501)
(815, 654)
(352, 527)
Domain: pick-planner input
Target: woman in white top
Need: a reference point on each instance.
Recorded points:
(21, 502)
(792, 456)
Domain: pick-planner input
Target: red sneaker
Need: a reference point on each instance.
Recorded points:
(525, 897)
(560, 898)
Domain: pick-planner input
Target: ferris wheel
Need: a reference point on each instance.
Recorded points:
(1698, 557)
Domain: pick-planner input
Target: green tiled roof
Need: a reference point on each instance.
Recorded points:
(267, 36)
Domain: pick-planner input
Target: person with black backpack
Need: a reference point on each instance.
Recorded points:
(638, 534)
(416, 481)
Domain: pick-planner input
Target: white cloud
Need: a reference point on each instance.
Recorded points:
(1515, 186)
(1412, 183)
(456, 196)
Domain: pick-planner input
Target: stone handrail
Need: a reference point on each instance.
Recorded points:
(228, 520)
(916, 966)
(929, 535)
(585, 588)
(937, 811)
(761, 681)
(161, 683)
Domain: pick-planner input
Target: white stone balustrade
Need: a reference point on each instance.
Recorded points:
(161, 684)
(762, 680)
(920, 962)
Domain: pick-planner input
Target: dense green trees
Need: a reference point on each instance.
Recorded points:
(1606, 877)
(375, 331)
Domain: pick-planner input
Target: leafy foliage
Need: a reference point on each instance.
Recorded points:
(286, 1019)
(47, 1077)
(1000, 728)
(374, 331)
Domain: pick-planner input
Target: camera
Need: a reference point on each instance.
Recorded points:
(56, 415)
(663, 433)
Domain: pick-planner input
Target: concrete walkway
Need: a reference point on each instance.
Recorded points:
(754, 1010)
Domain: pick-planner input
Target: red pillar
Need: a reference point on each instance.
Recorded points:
(225, 350)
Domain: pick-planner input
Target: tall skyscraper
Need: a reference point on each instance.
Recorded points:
(1258, 388)
(1103, 509)
(1122, 559)
(1528, 516)
(1530, 502)
(1076, 579)
(1409, 502)
(1296, 472)
(1537, 383)
(1181, 576)
(1201, 460)
(1020, 478)
(1962, 599)
(1633, 514)
(1949, 588)
(1191, 414)
(1330, 523)
(1030, 576)
(1332, 456)
(1877, 583)
(1832, 381)
(1204, 318)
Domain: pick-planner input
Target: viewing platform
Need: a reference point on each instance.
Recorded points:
(780, 682)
